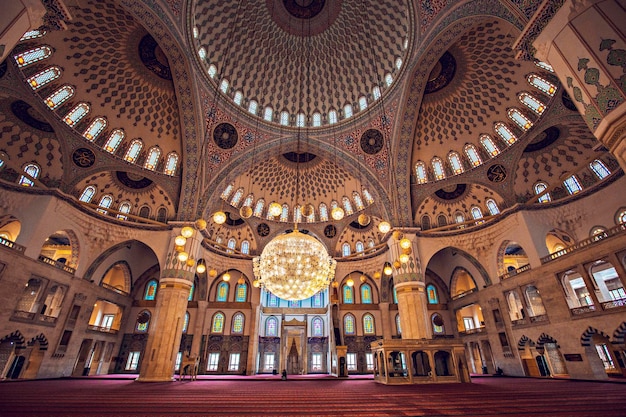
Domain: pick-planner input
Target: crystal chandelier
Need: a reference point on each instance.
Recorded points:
(294, 266)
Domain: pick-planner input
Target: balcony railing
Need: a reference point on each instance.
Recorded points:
(24, 315)
(12, 245)
(614, 304)
(102, 329)
(577, 311)
(539, 319)
(515, 272)
(56, 264)
(620, 228)
(112, 288)
(47, 319)
(472, 331)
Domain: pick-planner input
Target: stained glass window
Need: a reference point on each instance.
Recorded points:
(541, 84)
(245, 247)
(318, 327)
(300, 120)
(348, 295)
(368, 324)
(32, 55)
(398, 328)
(241, 293)
(455, 162)
(532, 102)
(366, 294)
(196, 33)
(395, 296)
(171, 163)
(362, 103)
(222, 292)
(284, 118)
(124, 208)
(347, 111)
(133, 150)
(347, 205)
(272, 300)
(253, 106)
(476, 213)
(348, 324)
(238, 321)
(224, 86)
(297, 215)
(420, 173)
(218, 323)
(258, 209)
(492, 207)
(438, 169)
(60, 96)
(76, 114)
(153, 158)
(540, 188)
(332, 117)
(368, 197)
(323, 212)
(459, 217)
(317, 119)
(105, 203)
(472, 155)
(398, 63)
(431, 292)
(32, 170)
(359, 246)
(114, 140)
(489, 145)
(151, 290)
(505, 133)
(268, 114)
(388, 79)
(44, 77)
(237, 197)
(95, 128)
(376, 92)
(371, 243)
(143, 319)
(227, 191)
(271, 326)
(519, 119)
(358, 201)
(231, 245)
(192, 290)
(572, 185)
(32, 34)
(202, 53)
(318, 300)
(598, 168)
(212, 71)
(88, 194)
(345, 249)
(284, 214)
(238, 98)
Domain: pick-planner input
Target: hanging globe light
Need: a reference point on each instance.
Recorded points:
(404, 258)
(363, 278)
(388, 270)
(201, 268)
(219, 217)
(241, 281)
(245, 212)
(180, 240)
(294, 266)
(350, 282)
(405, 243)
(183, 256)
(384, 227)
(226, 277)
(200, 224)
(187, 231)
(337, 213)
(275, 209)
(191, 262)
(212, 272)
(307, 210)
(397, 264)
(397, 235)
(256, 283)
(377, 275)
(364, 219)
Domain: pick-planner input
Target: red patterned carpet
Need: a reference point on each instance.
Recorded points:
(100, 397)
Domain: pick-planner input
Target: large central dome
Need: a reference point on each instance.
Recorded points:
(301, 57)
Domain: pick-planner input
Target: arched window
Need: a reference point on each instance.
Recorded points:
(318, 300)
(345, 249)
(218, 323)
(202, 53)
(212, 71)
(358, 202)
(33, 34)
(272, 300)
(33, 171)
(472, 154)
(540, 187)
(88, 194)
(368, 197)
(222, 292)
(598, 168)
(359, 246)
(227, 191)
(245, 247)
(114, 140)
(318, 327)
(398, 327)
(231, 245)
(348, 295)
(268, 114)
(489, 145)
(171, 163)
(376, 92)
(368, 324)
(347, 205)
(398, 63)
(437, 322)
(153, 158)
(258, 208)
(362, 103)
(161, 215)
(388, 79)
(455, 163)
(395, 295)
(76, 114)
(347, 111)
(253, 106)
(186, 322)
(284, 118)
(241, 293)
(519, 119)
(238, 322)
(105, 203)
(420, 173)
(572, 185)
(544, 66)
(300, 120)
(297, 214)
(532, 102)
(33, 55)
(284, 214)
(371, 243)
(192, 291)
(224, 86)
(237, 197)
(151, 290)
(442, 220)
(476, 213)
(621, 217)
(271, 326)
(143, 320)
(332, 117)
(44, 77)
(492, 207)
(124, 208)
(505, 133)
(366, 294)
(133, 150)
(438, 169)
(431, 293)
(348, 324)
(425, 222)
(459, 217)
(541, 84)
(59, 97)
(323, 212)
(95, 128)
(238, 97)
(144, 212)
(317, 119)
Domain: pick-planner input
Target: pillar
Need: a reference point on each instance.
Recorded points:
(171, 305)
(584, 42)
(410, 289)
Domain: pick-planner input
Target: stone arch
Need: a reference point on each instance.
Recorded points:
(458, 275)
(17, 338)
(41, 339)
(557, 239)
(620, 334)
(587, 336)
(545, 338)
(134, 246)
(524, 342)
(505, 246)
(10, 225)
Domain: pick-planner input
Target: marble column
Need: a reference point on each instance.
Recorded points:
(584, 42)
(166, 327)
(410, 291)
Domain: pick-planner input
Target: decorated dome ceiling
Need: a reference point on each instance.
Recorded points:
(301, 57)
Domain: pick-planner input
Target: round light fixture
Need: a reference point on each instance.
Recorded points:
(384, 227)
(200, 224)
(275, 209)
(364, 219)
(180, 240)
(404, 258)
(219, 217)
(307, 210)
(183, 256)
(337, 213)
(179, 248)
(226, 277)
(245, 212)
(363, 278)
(397, 264)
(241, 281)
(405, 243)
(187, 231)
(377, 275)
(201, 268)
(191, 262)
(350, 282)
(212, 272)
(397, 235)
(388, 270)
(294, 266)
(256, 283)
